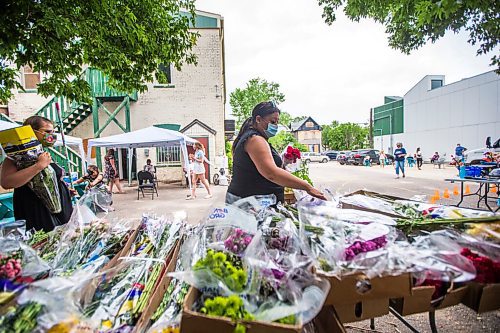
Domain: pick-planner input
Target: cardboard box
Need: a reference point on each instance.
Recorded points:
(421, 298)
(348, 313)
(327, 321)
(123, 252)
(194, 322)
(344, 291)
(160, 290)
(290, 198)
(483, 297)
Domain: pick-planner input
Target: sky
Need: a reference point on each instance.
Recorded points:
(335, 72)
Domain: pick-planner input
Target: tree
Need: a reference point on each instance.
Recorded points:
(126, 39)
(345, 136)
(283, 139)
(411, 24)
(257, 90)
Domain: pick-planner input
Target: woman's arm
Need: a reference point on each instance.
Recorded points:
(260, 153)
(112, 162)
(79, 180)
(97, 180)
(10, 177)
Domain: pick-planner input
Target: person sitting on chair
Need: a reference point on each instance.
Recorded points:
(435, 157)
(150, 167)
(93, 177)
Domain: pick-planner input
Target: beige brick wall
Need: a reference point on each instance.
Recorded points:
(23, 105)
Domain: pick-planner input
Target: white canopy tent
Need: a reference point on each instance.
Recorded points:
(144, 138)
(70, 140)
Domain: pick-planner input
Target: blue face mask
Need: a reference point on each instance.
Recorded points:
(271, 130)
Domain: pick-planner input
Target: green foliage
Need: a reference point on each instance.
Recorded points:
(303, 173)
(281, 140)
(126, 39)
(411, 24)
(257, 90)
(345, 136)
(233, 275)
(290, 320)
(231, 307)
(229, 154)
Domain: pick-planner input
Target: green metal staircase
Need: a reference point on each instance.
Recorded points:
(73, 113)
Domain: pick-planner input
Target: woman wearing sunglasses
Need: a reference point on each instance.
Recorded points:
(257, 166)
(27, 206)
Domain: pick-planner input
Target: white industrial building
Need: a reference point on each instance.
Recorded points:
(435, 116)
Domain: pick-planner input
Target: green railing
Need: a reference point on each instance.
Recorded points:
(49, 109)
(75, 162)
(100, 88)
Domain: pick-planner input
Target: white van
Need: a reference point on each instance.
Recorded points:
(475, 156)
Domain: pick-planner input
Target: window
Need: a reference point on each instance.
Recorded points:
(309, 124)
(30, 79)
(168, 156)
(436, 84)
(165, 73)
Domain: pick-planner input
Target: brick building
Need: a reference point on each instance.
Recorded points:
(192, 102)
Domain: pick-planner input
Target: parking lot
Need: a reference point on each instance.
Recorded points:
(349, 178)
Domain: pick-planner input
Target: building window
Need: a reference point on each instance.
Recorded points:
(309, 124)
(165, 74)
(168, 156)
(436, 84)
(30, 79)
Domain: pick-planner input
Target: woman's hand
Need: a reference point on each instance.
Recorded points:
(44, 160)
(316, 193)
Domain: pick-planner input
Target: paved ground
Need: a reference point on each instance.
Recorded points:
(341, 179)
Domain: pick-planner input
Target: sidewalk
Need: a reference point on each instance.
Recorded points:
(171, 198)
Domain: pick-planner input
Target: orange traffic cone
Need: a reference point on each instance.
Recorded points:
(467, 189)
(436, 195)
(493, 189)
(446, 193)
(432, 200)
(455, 191)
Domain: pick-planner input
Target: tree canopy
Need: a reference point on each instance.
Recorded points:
(346, 136)
(410, 24)
(281, 140)
(242, 101)
(126, 39)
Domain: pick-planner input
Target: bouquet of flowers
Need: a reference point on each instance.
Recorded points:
(23, 148)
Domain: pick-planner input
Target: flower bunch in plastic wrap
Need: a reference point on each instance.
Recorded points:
(487, 270)
(237, 241)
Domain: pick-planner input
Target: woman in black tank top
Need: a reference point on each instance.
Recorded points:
(257, 166)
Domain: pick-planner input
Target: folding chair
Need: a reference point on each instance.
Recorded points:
(147, 184)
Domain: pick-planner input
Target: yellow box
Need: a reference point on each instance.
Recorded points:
(19, 140)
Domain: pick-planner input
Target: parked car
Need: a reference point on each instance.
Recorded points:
(359, 156)
(309, 157)
(342, 157)
(348, 159)
(475, 156)
(332, 154)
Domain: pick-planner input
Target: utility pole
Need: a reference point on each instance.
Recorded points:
(371, 128)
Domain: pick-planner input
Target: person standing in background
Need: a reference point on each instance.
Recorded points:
(400, 155)
(110, 171)
(418, 157)
(199, 171)
(459, 154)
(382, 159)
